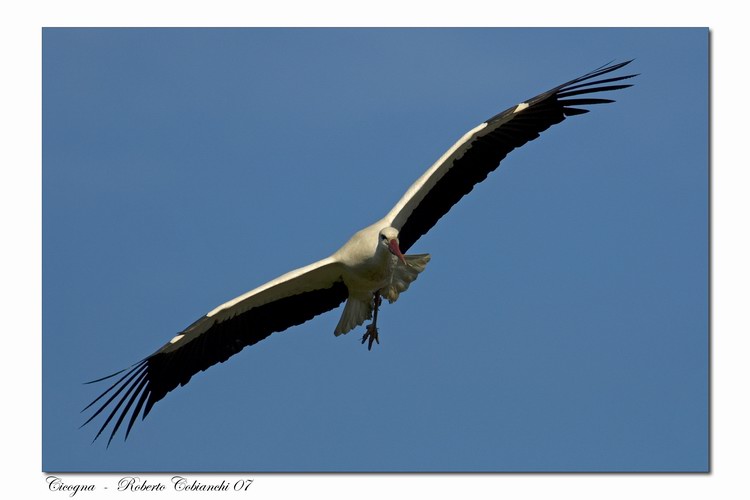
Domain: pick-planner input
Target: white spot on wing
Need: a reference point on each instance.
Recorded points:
(176, 338)
(521, 107)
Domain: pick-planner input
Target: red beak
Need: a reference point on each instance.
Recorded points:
(395, 250)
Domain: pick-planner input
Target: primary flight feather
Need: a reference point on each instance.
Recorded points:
(370, 266)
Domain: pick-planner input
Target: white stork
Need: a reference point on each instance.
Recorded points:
(369, 266)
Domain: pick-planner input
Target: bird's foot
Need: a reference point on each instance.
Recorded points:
(371, 334)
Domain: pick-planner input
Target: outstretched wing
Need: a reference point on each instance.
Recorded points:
(287, 301)
(480, 151)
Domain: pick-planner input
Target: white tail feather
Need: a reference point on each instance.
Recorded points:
(355, 313)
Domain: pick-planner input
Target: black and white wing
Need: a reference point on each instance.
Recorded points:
(289, 300)
(480, 150)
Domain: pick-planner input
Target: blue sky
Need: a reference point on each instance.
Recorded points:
(561, 325)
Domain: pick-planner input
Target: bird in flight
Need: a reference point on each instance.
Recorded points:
(371, 266)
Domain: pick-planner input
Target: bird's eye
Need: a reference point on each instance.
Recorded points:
(383, 237)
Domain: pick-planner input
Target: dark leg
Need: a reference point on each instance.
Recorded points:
(371, 334)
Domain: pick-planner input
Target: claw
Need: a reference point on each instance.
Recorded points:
(371, 334)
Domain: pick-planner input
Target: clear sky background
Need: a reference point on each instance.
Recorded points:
(562, 324)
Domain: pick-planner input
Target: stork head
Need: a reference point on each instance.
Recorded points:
(388, 237)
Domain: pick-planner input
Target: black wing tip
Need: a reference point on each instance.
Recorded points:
(584, 80)
(622, 64)
(134, 383)
(589, 84)
(104, 378)
(578, 86)
(608, 67)
(137, 363)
